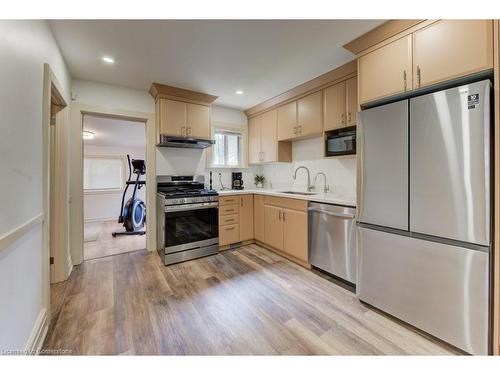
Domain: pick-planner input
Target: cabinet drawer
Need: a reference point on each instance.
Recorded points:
(232, 199)
(229, 209)
(229, 234)
(229, 219)
(294, 204)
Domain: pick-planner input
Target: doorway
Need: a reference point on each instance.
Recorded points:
(106, 143)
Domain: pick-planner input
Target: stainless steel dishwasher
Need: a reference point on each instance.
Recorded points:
(332, 239)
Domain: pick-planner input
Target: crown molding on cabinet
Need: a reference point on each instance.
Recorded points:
(336, 75)
(379, 34)
(176, 93)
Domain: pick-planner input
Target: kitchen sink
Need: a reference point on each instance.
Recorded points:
(297, 192)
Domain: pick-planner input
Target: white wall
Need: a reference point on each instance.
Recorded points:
(24, 47)
(106, 206)
(340, 171)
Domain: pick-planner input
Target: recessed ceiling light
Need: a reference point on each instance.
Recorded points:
(108, 60)
(88, 135)
(239, 92)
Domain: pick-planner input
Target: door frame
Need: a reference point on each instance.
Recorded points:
(53, 95)
(78, 110)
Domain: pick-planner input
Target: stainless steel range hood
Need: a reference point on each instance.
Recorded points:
(184, 142)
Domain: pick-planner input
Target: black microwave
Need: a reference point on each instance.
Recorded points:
(341, 142)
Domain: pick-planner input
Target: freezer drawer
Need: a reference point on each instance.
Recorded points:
(450, 163)
(383, 165)
(441, 289)
(332, 239)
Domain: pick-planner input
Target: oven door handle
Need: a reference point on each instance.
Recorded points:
(191, 207)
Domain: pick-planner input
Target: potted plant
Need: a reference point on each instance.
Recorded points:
(259, 180)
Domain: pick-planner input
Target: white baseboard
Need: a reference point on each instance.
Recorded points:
(38, 333)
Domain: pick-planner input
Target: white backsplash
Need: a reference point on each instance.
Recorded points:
(340, 172)
(178, 161)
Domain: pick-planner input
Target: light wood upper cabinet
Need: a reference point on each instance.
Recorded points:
(263, 145)
(246, 217)
(198, 121)
(269, 134)
(302, 118)
(172, 117)
(273, 230)
(287, 121)
(309, 115)
(182, 119)
(254, 140)
(258, 217)
(335, 106)
(449, 49)
(386, 71)
(351, 88)
(295, 233)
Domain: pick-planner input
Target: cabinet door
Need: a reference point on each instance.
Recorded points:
(452, 48)
(246, 217)
(310, 115)
(287, 121)
(385, 71)
(172, 117)
(273, 230)
(269, 136)
(198, 121)
(351, 89)
(334, 99)
(254, 140)
(258, 217)
(295, 233)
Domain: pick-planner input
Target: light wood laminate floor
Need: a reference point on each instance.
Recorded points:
(244, 301)
(106, 244)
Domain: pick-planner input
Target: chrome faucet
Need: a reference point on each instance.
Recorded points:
(309, 186)
(326, 188)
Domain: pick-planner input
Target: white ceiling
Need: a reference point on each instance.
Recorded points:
(111, 132)
(261, 57)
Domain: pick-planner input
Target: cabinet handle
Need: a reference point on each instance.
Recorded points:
(229, 220)
(404, 79)
(188, 130)
(419, 76)
(183, 130)
(241, 201)
(280, 215)
(342, 118)
(349, 118)
(295, 130)
(230, 228)
(284, 216)
(299, 129)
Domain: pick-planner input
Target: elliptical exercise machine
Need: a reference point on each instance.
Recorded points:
(133, 213)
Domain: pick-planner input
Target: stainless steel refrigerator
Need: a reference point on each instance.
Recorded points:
(424, 213)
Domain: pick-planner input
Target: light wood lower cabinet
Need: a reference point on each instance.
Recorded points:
(235, 219)
(273, 231)
(295, 233)
(279, 223)
(229, 234)
(246, 217)
(258, 217)
(285, 226)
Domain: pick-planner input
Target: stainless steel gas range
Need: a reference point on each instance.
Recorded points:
(187, 218)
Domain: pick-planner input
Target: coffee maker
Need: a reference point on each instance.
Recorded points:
(237, 181)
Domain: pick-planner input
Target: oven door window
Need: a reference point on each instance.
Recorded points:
(182, 227)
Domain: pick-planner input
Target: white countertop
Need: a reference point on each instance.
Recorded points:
(317, 197)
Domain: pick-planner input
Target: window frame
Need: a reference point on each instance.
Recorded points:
(105, 191)
(225, 131)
